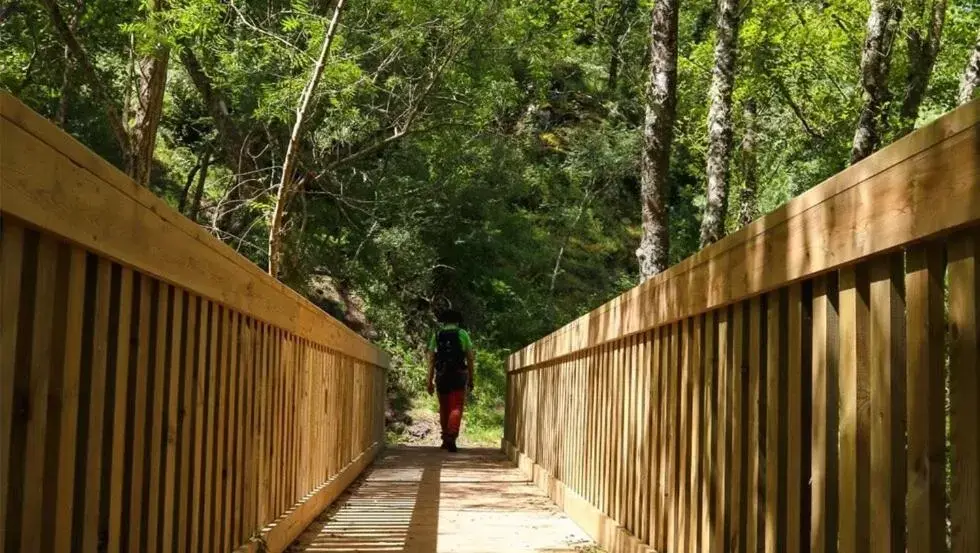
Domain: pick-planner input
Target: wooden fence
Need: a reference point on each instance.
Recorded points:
(158, 392)
(790, 388)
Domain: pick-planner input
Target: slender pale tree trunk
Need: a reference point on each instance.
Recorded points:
(923, 51)
(747, 200)
(658, 134)
(288, 182)
(720, 123)
(971, 76)
(875, 62)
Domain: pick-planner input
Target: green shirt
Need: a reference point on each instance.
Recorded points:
(464, 338)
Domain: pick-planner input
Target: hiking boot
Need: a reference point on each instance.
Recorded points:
(445, 444)
(452, 446)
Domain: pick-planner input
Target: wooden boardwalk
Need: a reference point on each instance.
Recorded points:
(423, 500)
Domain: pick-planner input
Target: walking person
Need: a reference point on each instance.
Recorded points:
(450, 373)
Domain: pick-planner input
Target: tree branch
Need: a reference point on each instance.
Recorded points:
(95, 79)
(286, 184)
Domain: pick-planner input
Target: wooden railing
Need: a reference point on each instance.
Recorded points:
(790, 388)
(158, 391)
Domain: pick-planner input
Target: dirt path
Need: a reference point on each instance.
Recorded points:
(423, 500)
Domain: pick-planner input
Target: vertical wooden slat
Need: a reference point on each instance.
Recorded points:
(86, 533)
(693, 501)
(32, 393)
(755, 496)
(136, 430)
(276, 424)
(212, 425)
(674, 442)
(618, 430)
(11, 267)
(854, 452)
(155, 439)
(823, 468)
(262, 403)
(169, 437)
(739, 460)
(775, 462)
(236, 469)
(724, 395)
(121, 414)
(887, 380)
(647, 472)
(964, 388)
(68, 398)
(796, 339)
(665, 434)
(604, 428)
(710, 432)
(232, 373)
(187, 416)
(925, 501)
(203, 415)
(684, 437)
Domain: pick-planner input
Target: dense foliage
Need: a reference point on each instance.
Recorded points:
(479, 154)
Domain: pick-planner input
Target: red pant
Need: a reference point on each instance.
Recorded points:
(451, 412)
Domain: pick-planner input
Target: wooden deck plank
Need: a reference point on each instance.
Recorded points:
(419, 500)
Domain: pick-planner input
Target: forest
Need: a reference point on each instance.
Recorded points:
(519, 161)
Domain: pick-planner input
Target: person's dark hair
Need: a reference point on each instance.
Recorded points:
(450, 316)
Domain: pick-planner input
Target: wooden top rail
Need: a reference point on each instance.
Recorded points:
(925, 184)
(82, 198)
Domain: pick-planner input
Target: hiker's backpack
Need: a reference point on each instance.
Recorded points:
(450, 359)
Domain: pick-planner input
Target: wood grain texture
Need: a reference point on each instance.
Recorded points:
(887, 374)
(964, 385)
(925, 502)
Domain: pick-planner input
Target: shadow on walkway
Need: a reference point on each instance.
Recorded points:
(424, 500)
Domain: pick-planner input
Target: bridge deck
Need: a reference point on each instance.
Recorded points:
(423, 500)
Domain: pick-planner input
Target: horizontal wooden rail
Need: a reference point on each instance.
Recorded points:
(158, 392)
(791, 388)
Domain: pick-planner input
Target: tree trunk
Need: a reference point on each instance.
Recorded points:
(720, 123)
(287, 182)
(185, 192)
(230, 139)
(64, 95)
(658, 133)
(971, 76)
(617, 34)
(151, 81)
(922, 58)
(137, 141)
(747, 200)
(875, 61)
(202, 176)
(232, 142)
